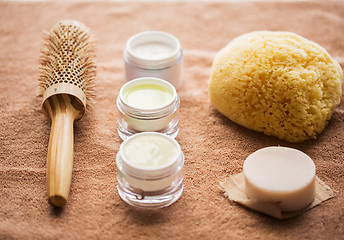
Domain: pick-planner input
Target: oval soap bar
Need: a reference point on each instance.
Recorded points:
(280, 174)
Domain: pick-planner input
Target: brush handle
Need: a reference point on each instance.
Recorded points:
(62, 113)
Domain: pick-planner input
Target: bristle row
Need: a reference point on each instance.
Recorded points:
(68, 57)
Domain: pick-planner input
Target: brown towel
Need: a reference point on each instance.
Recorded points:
(214, 147)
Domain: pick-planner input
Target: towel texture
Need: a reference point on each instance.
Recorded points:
(214, 146)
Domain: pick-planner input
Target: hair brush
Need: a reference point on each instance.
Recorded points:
(66, 83)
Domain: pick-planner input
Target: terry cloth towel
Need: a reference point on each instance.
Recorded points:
(214, 147)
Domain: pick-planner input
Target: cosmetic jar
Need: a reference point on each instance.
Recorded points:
(150, 170)
(147, 105)
(154, 54)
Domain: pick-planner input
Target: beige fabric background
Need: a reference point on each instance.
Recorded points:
(214, 146)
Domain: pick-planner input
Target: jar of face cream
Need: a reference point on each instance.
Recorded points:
(147, 105)
(150, 170)
(154, 54)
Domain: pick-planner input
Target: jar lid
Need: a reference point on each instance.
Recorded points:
(153, 49)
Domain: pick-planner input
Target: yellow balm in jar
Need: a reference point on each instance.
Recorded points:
(148, 96)
(150, 170)
(148, 105)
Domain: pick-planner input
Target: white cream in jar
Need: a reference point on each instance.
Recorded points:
(154, 54)
(148, 105)
(150, 170)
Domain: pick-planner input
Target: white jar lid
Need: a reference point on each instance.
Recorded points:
(153, 49)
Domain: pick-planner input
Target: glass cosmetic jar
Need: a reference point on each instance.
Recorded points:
(154, 54)
(150, 170)
(147, 105)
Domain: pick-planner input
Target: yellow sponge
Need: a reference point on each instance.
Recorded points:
(278, 83)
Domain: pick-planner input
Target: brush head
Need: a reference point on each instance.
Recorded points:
(67, 62)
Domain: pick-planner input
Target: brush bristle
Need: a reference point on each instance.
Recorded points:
(68, 57)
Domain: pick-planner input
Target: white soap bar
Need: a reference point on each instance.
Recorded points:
(280, 174)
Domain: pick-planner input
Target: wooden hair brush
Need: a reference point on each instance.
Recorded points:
(66, 83)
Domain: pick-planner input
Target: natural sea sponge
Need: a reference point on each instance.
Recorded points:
(278, 83)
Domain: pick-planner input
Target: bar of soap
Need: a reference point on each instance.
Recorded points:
(282, 175)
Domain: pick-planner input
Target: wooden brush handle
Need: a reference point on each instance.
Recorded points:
(62, 112)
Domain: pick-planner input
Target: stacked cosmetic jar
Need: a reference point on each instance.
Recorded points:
(150, 161)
